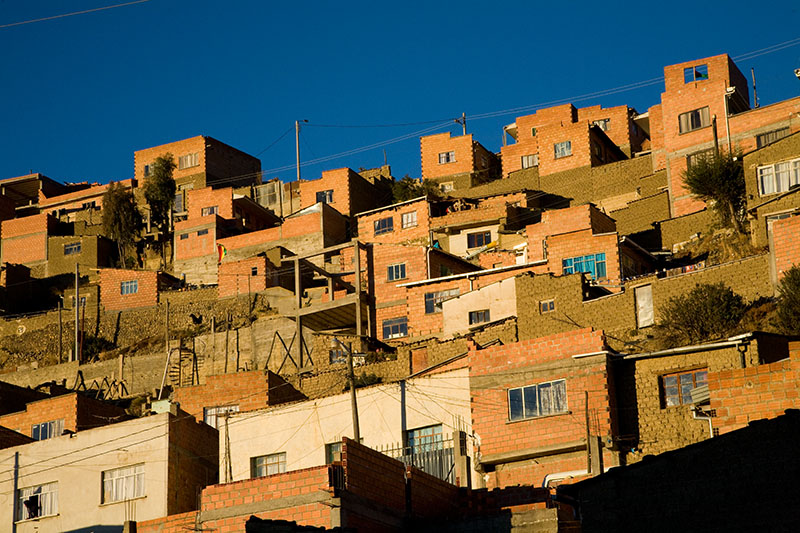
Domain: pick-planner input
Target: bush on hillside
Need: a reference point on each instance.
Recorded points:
(788, 311)
(709, 311)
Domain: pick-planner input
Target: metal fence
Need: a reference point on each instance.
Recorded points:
(436, 458)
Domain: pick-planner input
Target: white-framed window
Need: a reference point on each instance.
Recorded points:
(779, 177)
(326, 197)
(533, 401)
(562, 149)
(547, 306)
(478, 317)
(425, 439)
(694, 120)
(47, 430)
(396, 272)
(384, 225)
(124, 483)
(701, 155)
(129, 287)
(72, 248)
(446, 186)
(602, 123)
(395, 328)
(215, 416)
(38, 501)
(211, 210)
(267, 465)
(447, 157)
(188, 161)
(409, 220)
(531, 160)
(433, 300)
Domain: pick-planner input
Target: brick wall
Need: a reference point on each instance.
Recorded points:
(432, 145)
(192, 462)
(111, 296)
(786, 244)
(741, 395)
(24, 240)
(249, 390)
(619, 125)
(639, 215)
(190, 244)
(9, 438)
(416, 233)
(198, 199)
(78, 412)
(679, 229)
(238, 277)
(496, 369)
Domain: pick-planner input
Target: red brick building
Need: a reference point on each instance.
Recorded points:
(530, 406)
(444, 156)
(343, 189)
(24, 240)
(129, 289)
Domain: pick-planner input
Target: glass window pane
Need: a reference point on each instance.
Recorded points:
(545, 399)
(531, 402)
(559, 396)
(700, 378)
(670, 381)
(515, 404)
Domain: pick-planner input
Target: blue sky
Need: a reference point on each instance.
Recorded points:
(79, 94)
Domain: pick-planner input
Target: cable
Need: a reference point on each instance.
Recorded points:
(273, 143)
(378, 125)
(72, 14)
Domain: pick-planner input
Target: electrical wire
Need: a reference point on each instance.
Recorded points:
(72, 14)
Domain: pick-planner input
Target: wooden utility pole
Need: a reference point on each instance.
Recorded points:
(60, 331)
(353, 403)
(76, 352)
(588, 433)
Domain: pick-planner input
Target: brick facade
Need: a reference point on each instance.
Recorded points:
(786, 244)
(24, 240)
(417, 232)
(469, 157)
(142, 293)
(78, 412)
(350, 192)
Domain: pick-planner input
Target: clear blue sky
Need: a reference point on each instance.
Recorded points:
(79, 94)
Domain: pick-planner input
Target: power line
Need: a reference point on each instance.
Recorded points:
(273, 143)
(72, 14)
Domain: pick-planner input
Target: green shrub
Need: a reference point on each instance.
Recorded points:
(709, 311)
(788, 311)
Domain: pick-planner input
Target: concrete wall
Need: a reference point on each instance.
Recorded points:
(499, 298)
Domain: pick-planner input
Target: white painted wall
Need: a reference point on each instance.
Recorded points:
(76, 462)
(301, 430)
(457, 244)
(500, 298)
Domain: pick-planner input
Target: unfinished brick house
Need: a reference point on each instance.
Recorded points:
(24, 193)
(130, 289)
(562, 137)
(456, 162)
(345, 190)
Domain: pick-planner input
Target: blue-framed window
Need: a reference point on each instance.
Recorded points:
(129, 287)
(594, 264)
(542, 399)
(395, 328)
(395, 272)
(384, 225)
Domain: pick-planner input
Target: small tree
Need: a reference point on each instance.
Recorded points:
(159, 191)
(706, 312)
(719, 180)
(788, 311)
(408, 188)
(122, 221)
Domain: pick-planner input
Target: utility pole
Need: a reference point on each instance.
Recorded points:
(351, 376)
(755, 96)
(76, 353)
(297, 144)
(463, 122)
(60, 330)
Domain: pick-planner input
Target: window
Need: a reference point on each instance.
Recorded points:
(531, 160)
(693, 120)
(478, 317)
(89, 205)
(547, 306)
(695, 73)
(72, 248)
(696, 157)
(594, 264)
(212, 210)
(38, 501)
(537, 400)
(779, 177)
(326, 197)
(447, 157)
(476, 240)
(267, 465)
(433, 300)
(409, 220)
(337, 355)
(677, 388)
(425, 439)
(129, 287)
(215, 416)
(123, 483)
(771, 136)
(602, 123)
(184, 236)
(533, 132)
(446, 186)
(445, 270)
(254, 271)
(177, 206)
(83, 301)
(384, 225)
(644, 305)
(395, 327)
(188, 161)
(47, 430)
(563, 149)
(202, 232)
(395, 272)
(333, 452)
(148, 169)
